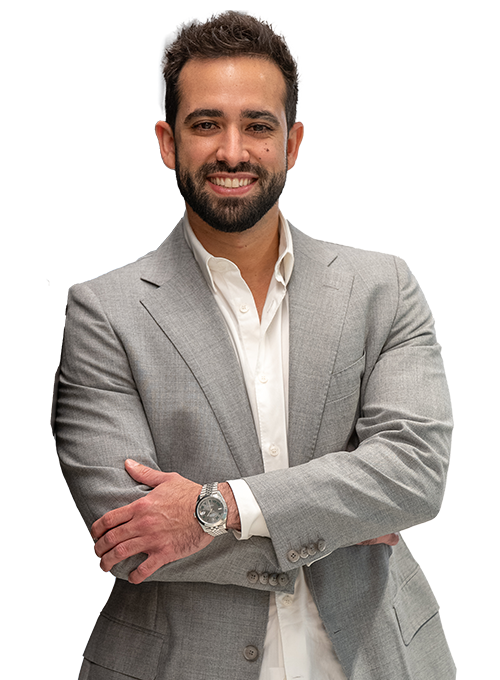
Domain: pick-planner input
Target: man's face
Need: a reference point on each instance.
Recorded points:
(231, 147)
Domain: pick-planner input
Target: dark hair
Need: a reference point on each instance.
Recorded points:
(228, 34)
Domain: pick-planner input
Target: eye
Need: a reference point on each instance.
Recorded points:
(205, 126)
(259, 128)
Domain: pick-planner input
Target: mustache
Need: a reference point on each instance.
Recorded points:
(222, 166)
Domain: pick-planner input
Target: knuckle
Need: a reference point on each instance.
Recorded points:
(108, 521)
(121, 551)
(109, 538)
(143, 569)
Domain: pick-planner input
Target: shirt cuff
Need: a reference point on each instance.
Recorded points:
(251, 518)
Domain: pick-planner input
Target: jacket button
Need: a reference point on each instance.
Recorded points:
(311, 549)
(321, 544)
(303, 552)
(283, 579)
(293, 555)
(252, 577)
(273, 580)
(250, 653)
(264, 578)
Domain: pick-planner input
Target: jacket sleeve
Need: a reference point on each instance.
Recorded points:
(99, 421)
(392, 475)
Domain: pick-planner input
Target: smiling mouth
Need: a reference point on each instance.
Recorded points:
(231, 183)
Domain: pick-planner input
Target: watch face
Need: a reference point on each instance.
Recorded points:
(211, 510)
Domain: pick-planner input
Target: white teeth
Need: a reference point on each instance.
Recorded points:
(230, 183)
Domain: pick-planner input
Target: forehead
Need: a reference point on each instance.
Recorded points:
(231, 83)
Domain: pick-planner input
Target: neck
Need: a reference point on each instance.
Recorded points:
(254, 251)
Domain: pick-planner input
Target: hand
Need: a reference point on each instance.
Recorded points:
(388, 539)
(162, 524)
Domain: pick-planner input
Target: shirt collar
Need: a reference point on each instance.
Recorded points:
(282, 270)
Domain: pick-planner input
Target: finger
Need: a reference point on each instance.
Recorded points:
(115, 536)
(393, 539)
(145, 569)
(388, 539)
(121, 551)
(110, 520)
(144, 474)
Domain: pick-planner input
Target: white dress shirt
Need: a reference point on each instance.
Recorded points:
(297, 646)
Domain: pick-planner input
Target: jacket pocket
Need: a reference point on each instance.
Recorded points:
(414, 605)
(124, 648)
(346, 381)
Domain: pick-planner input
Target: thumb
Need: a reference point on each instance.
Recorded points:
(144, 474)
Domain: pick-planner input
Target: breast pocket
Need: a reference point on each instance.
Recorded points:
(341, 410)
(346, 381)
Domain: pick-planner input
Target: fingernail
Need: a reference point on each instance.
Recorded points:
(131, 462)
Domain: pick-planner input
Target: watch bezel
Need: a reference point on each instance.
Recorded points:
(217, 496)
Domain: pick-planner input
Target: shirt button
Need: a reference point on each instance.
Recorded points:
(263, 378)
(250, 653)
(244, 309)
(287, 600)
(274, 450)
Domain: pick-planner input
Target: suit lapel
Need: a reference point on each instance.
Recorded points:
(185, 310)
(319, 293)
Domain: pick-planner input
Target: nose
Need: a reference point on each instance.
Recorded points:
(232, 147)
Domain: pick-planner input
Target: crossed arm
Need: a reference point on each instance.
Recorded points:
(101, 422)
(162, 524)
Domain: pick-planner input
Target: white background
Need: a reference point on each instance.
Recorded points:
(438, 114)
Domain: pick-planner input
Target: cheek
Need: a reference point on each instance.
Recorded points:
(195, 152)
(272, 155)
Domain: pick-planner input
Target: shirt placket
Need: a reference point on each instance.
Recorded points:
(296, 645)
(270, 397)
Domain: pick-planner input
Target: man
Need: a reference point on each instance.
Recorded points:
(242, 412)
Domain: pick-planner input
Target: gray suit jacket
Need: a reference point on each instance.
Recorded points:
(148, 371)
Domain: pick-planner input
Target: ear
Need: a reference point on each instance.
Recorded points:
(293, 143)
(166, 141)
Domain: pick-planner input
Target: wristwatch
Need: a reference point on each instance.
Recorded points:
(211, 510)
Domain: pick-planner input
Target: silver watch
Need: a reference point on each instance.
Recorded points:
(211, 510)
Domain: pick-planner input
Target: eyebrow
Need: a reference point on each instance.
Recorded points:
(266, 115)
(247, 113)
(202, 113)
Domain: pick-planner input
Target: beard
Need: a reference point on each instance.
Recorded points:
(229, 214)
